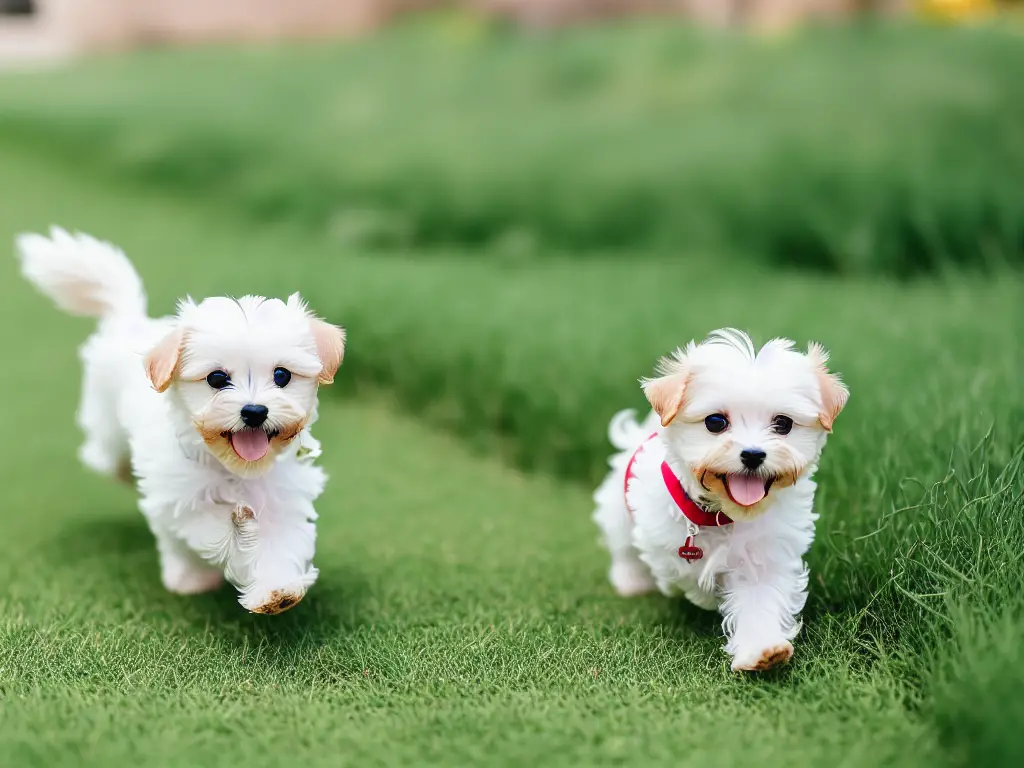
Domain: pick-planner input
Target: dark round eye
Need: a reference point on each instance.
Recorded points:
(282, 376)
(716, 423)
(218, 379)
(782, 425)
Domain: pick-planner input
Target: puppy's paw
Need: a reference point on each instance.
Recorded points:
(242, 514)
(706, 600)
(243, 518)
(631, 579)
(97, 457)
(278, 599)
(759, 661)
(185, 578)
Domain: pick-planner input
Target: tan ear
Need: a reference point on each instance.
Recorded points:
(162, 360)
(665, 395)
(666, 392)
(834, 393)
(330, 345)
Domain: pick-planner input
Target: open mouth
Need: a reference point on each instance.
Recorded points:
(250, 444)
(746, 490)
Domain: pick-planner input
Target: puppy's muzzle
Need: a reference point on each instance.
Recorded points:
(752, 458)
(254, 415)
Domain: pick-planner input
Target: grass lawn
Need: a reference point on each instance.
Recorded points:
(462, 615)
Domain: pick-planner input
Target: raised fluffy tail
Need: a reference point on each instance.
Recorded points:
(82, 275)
(626, 433)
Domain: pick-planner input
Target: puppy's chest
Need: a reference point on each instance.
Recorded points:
(216, 484)
(232, 491)
(661, 529)
(289, 484)
(659, 523)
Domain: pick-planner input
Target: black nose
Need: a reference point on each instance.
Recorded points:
(254, 415)
(752, 458)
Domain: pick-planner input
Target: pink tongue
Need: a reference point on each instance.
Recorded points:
(746, 490)
(250, 444)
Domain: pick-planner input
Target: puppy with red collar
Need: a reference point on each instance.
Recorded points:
(711, 497)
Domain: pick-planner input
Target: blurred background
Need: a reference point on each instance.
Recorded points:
(91, 24)
(517, 205)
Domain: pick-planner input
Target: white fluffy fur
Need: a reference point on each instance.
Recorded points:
(213, 514)
(753, 570)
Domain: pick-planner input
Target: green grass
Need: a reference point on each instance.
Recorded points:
(462, 614)
(878, 149)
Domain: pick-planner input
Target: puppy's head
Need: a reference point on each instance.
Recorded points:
(246, 373)
(745, 423)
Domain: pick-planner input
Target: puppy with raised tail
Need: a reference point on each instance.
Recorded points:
(711, 497)
(210, 410)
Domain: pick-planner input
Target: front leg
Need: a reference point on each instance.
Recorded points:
(266, 553)
(271, 564)
(181, 569)
(762, 603)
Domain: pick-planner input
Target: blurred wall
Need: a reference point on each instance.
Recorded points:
(116, 22)
(68, 26)
(758, 13)
(71, 26)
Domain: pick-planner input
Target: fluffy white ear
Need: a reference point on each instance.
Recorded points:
(162, 360)
(667, 390)
(834, 393)
(330, 345)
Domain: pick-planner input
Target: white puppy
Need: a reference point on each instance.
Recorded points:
(712, 498)
(210, 410)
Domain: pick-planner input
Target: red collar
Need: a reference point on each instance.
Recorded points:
(695, 513)
(690, 509)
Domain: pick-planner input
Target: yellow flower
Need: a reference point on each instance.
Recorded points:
(955, 10)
